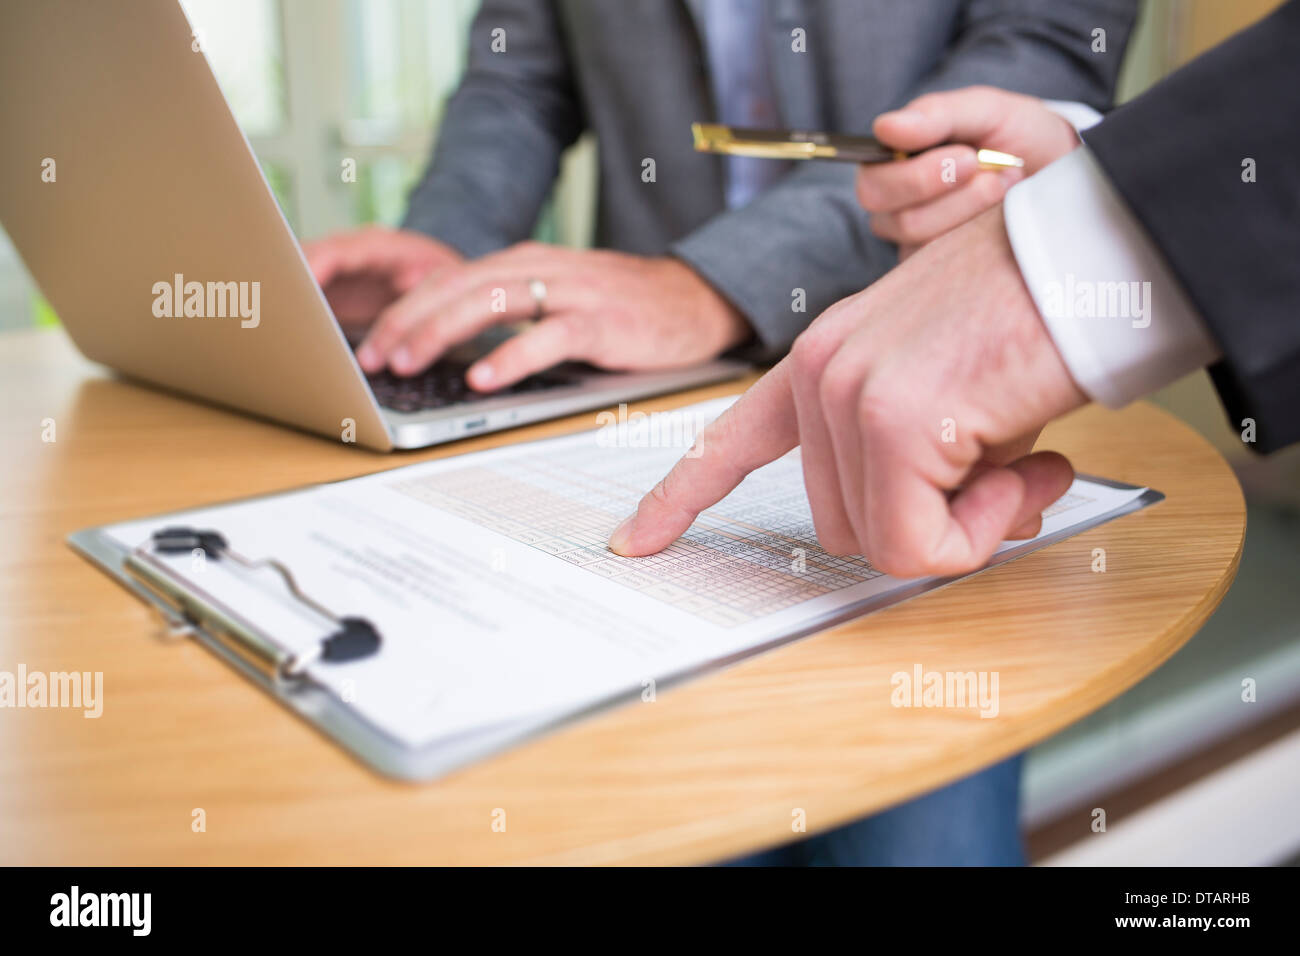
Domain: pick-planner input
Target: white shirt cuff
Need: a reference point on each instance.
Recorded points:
(1121, 321)
(1079, 115)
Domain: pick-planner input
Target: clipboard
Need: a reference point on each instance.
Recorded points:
(187, 612)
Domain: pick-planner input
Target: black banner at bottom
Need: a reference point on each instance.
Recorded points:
(330, 905)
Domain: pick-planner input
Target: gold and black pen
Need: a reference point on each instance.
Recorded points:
(799, 144)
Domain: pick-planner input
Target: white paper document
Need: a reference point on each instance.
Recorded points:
(488, 577)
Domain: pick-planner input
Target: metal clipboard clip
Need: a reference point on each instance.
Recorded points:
(189, 611)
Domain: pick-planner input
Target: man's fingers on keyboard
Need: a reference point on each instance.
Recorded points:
(759, 428)
(407, 335)
(547, 343)
(389, 328)
(450, 322)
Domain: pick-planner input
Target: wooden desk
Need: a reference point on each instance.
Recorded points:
(710, 770)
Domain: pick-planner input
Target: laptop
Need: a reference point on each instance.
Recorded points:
(138, 206)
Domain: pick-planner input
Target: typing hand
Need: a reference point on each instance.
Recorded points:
(914, 200)
(614, 310)
(364, 270)
(916, 403)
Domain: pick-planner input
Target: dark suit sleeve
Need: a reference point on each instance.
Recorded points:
(1180, 156)
(506, 127)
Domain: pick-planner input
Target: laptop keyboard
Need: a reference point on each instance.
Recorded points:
(443, 384)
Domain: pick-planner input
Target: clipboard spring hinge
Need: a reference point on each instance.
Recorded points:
(352, 639)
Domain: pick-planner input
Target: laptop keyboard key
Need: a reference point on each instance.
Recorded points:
(444, 384)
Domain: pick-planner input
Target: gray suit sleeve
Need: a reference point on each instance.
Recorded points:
(792, 252)
(506, 126)
(808, 233)
(1041, 47)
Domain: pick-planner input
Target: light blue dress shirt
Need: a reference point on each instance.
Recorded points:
(740, 69)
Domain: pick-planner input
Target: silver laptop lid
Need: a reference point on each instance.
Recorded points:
(136, 203)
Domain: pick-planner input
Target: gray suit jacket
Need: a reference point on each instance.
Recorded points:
(634, 72)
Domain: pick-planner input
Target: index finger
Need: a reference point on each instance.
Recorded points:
(760, 427)
(970, 115)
